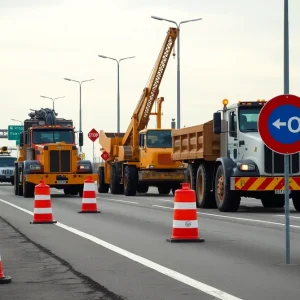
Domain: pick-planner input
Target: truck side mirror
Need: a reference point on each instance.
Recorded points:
(80, 139)
(217, 123)
(21, 139)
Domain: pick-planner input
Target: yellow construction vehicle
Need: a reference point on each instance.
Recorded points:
(48, 152)
(141, 157)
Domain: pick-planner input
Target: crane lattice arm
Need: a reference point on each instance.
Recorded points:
(141, 115)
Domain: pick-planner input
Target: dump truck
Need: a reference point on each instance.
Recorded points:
(227, 159)
(141, 157)
(7, 163)
(48, 152)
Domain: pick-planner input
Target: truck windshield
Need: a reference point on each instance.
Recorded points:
(52, 136)
(159, 139)
(7, 161)
(248, 118)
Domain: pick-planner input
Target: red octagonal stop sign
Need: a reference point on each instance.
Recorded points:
(93, 135)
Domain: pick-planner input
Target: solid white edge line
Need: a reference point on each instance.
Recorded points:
(235, 218)
(143, 261)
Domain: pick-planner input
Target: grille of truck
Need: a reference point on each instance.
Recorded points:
(274, 162)
(60, 161)
(7, 172)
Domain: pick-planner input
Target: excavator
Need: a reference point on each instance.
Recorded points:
(48, 152)
(141, 157)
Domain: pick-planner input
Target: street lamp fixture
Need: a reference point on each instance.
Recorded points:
(53, 99)
(80, 108)
(118, 83)
(178, 59)
(17, 121)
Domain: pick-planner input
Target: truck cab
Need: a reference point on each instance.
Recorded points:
(7, 166)
(251, 169)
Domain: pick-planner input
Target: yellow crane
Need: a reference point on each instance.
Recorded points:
(141, 157)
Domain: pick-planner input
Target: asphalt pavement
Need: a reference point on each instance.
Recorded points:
(38, 274)
(124, 248)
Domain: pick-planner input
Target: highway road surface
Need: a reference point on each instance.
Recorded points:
(124, 249)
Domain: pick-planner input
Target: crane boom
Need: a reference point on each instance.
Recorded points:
(141, 115)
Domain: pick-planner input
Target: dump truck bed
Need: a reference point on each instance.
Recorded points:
(109, 142)
(196, 142)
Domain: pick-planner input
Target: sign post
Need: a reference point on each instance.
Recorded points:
(93, 136)
(279, 128)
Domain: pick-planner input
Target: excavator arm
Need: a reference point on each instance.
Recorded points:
(141, 115)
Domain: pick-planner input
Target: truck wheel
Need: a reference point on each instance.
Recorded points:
(130, 180)
(296, 200)
(164, 190)
(102, 186)
(205, 198)
(142, 188)
(114, 182)
(80, 190)
(271, 201)
(28, 189)
(16, 181)
(227, 200)
(191, 177)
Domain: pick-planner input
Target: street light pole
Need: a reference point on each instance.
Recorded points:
(80, 107)
(118, 85)
(53, 99)
(178, 59)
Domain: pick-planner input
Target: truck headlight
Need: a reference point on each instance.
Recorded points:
(151, 166)
(246, 167)
(84, 167)
(35, 167)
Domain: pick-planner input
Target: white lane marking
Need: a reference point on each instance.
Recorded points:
(117, 200)
(235, 218)
(284, 216)
(143, 261)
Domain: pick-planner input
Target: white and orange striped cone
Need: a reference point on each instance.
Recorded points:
(89, 200)
(185, 221)
(3, 279)
(42, 213)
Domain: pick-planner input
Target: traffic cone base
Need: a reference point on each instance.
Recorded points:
(42, 213)
(3, 279)
(185, 219)
(89, 200)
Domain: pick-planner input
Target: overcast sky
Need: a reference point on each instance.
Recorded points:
(235, 52)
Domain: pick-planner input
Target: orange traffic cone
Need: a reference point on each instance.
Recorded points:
(42, 213)
(89, 200)
(3, 279)
(185, 221)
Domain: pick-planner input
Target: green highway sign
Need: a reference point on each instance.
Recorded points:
(14, 132)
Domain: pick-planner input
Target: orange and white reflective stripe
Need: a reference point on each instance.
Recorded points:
(185, 224)
(42, 197)
(185, 205)
(42, 210)
(89, 187)
(89, 200)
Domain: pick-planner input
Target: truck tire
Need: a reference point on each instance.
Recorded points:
(272, 201)
(16, 181)
(130, 180)
(226, 200)
(204, 197)
(142, 188)
(296, 200)
(190, 176)
(164, 190)
(115, 187)
(28, 189)
(102, 186)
